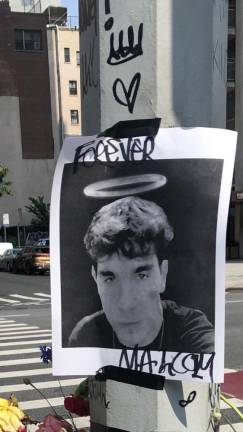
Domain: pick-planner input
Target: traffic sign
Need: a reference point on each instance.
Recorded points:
(5, 219)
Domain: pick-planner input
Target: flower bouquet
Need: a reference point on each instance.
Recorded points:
(13, 419)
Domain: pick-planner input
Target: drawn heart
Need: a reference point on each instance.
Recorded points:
(130, 95)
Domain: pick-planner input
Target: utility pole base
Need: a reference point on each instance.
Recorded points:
(150, 403)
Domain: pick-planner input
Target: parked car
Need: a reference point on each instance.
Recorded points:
(8, 257)
(4, 246)
(32, 259)
(43, 242)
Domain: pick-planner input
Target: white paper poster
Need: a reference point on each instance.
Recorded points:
(138, 228)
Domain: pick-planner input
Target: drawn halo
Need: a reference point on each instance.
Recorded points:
(124, 186)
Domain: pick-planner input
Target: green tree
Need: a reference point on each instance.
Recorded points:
(41, 211)
(4, 184)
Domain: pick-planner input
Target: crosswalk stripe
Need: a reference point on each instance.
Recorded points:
(40, 403)
(19, 351)
(24, 373)
(234, 301)
(15, 362)
(17, 329)
(40, 385)
(9, 321)
(23, 332)
(81, 422)
(8, 300)
(12, 325)
(42, 295)
(36, 303)
(32, 342)
(45, 334)
(25, 297)
(15, 315)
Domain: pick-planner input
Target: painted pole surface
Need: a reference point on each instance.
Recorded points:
(126, 406)
(145, 59)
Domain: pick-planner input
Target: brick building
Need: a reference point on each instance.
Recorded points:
(26, 141)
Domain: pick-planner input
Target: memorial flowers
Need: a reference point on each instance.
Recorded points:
(11, 416)
(53, 424)
(13, 419)
(74, 404)
(77, 405)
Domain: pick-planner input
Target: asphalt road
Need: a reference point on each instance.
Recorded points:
(22, 293)
(11, 283)
(25, 325)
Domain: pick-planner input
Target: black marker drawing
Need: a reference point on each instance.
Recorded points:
(87, 69)
(183, 403)
(124, 53)
(134, 362)
(107, 7)
(114, 150)
(109, 23)
(97, 392)
(192, 363)
(128, 97)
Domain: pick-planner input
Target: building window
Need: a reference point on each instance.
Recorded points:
(78, 57)
(28, 40)
(67, 55)
(72, 87)
(74, 117)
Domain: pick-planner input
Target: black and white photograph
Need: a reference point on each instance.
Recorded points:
(126, 248)
(137, 254)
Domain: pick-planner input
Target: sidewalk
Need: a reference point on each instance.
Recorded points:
(233, 379)
(232, 385)
(234, 275)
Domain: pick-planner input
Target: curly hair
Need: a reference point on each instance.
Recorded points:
(128, 225)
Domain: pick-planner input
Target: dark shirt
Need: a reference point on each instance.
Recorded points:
(184, 330)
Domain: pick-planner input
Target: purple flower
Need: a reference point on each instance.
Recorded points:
(46, 354)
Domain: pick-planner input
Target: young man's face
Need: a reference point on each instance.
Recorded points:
(130, 294)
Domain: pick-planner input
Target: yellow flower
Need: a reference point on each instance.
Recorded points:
(10, 417)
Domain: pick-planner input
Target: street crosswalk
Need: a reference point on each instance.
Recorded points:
(20, 359)
(16, 300)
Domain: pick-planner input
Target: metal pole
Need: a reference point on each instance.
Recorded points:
(158, 74)
(24, 234)
(5, 232)
(18, 234)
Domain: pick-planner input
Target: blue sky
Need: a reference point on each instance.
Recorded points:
(72, 6)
